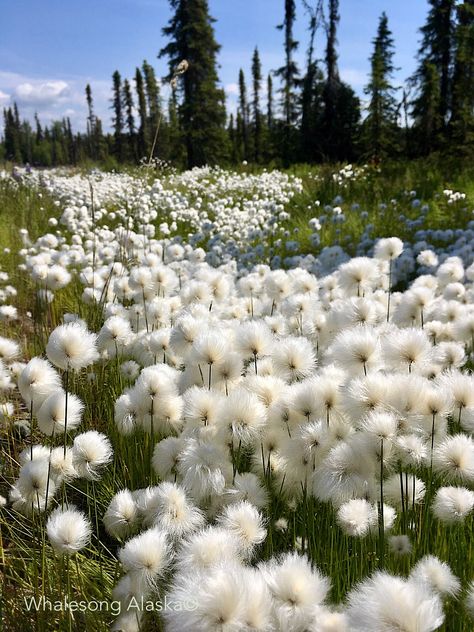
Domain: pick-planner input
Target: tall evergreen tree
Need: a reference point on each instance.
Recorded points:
(12, 135)
(243, 130)
(257, 115)
(130, 120)
(332, 71)
(39, 129)
(462, 117)
(234, 157)
(432, 104)
(142, 113)
(341, 107)
(270, 114)
(310, 97)
(90, 122)
(117, 121)
(100, 141)
(153, 102)
(380, 126)
(71, 145)
(202, 109)
(289, 76)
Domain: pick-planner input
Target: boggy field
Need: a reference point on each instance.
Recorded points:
(237, 401)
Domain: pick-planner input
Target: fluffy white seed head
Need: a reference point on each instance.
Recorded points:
(68, 530)
(91, 451)
(71, 346)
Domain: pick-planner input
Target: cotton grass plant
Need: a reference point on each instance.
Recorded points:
(276, 449)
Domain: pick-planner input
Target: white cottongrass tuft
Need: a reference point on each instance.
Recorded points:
(454, 458)
(208, 547)
(436, 576)
(68, 530)
(214, 601)
(384, 602)
(400, 544)
(71, 346)
(388, 248)
(244, 520)
(34, 480)
(452, 504)
(170, 509)
(51, 415)
(91, 451)
(146, 556)
(357, 517)
(204, 468)
(121, 516)
(293, 358)
(38, 380)
(296, 588)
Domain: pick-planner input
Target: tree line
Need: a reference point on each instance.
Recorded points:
(291, 115)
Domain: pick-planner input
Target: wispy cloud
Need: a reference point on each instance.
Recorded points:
(231, 88)
(356, 78)
(54, 98)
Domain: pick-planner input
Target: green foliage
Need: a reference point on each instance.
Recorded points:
(202, 110)
(316, 117)
(380, 125)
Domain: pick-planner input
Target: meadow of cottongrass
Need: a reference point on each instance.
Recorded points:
(236, 401)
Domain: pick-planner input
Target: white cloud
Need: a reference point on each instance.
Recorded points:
(232, 88)
(356, 78)
(54, 98)
(42, 93)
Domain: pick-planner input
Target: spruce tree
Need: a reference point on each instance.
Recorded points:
(432, 103)
(332, 71)
(289, 76)
(243, 111)
(380, 126)
(269, 128)
(12, 135)
(339, 123)
(39, 129)
(234, 157)
(462, 117)
(117, 121)
(130, 120)
(256, 114)
(143, 144)
(270, 118)
(100, 141)
(202, 110)
(90, 122)
(426, 111)
(311, 83)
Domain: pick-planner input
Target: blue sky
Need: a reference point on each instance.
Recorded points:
(50, 49)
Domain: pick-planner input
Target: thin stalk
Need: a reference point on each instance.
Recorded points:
(389, 289)
(65, 410)
(381, 516)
